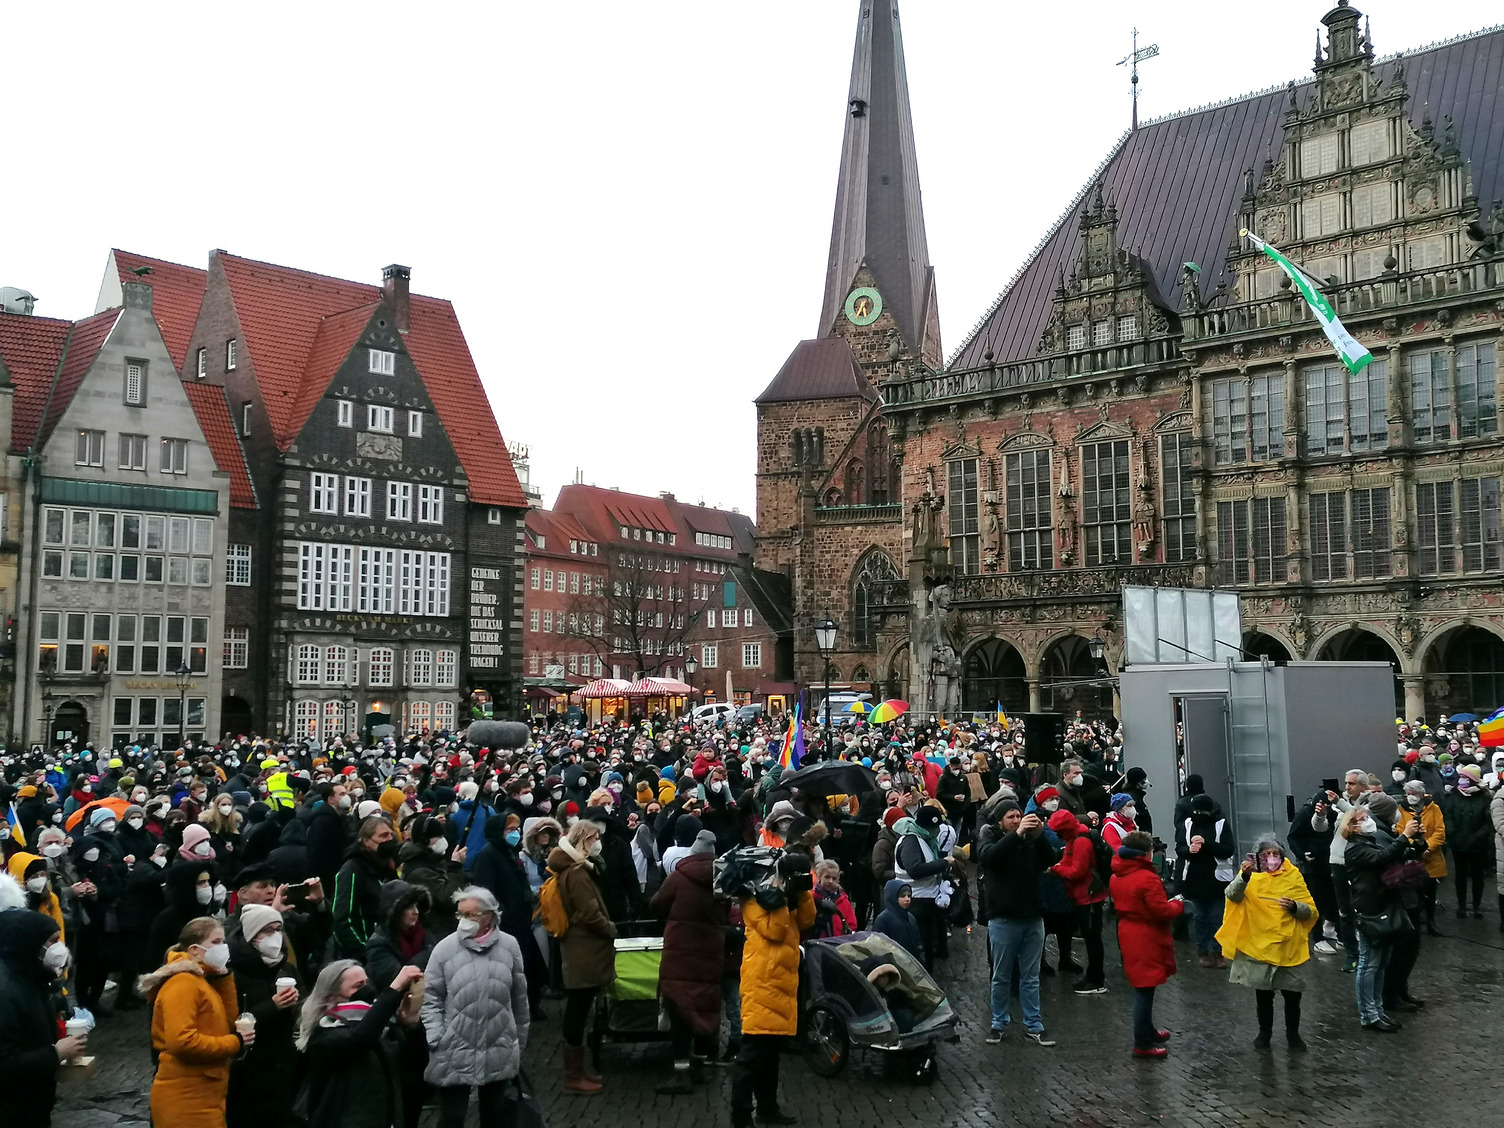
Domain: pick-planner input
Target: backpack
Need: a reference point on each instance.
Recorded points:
(551, 907)
(1101, 862)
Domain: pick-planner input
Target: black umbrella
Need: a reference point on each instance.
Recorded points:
(831, 777)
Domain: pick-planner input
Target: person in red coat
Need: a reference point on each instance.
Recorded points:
(1144, 916)
(1078, 868)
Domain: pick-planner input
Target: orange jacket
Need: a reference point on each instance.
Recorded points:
(192, 1029)
(770, 965)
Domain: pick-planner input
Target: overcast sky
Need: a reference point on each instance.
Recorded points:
(629, 204)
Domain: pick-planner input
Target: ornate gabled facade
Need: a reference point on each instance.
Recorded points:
(1149, 402)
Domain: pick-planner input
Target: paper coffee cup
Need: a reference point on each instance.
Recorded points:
(245, 1024)
(285, 982)
(76, 1027)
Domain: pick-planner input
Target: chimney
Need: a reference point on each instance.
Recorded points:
(394, 283)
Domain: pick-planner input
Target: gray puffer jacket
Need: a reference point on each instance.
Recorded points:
(475, 1011)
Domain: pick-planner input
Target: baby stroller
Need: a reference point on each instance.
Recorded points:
(865, 991)
(627, 1010)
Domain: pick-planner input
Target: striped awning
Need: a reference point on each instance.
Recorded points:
(658, 687)
(605, 687)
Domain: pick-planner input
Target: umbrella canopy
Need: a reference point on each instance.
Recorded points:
(604, 687)
(831, 777)
(857, 707)
(116, 803)
(1462, 718)
(888, 711)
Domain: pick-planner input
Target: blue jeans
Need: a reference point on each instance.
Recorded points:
(1144, 1029)
(1018, 942)
(1369, 980)
(1207, 919)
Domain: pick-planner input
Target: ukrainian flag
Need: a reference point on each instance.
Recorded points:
(16, 834)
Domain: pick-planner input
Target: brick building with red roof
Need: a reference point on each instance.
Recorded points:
(625, 585)
(371, 570)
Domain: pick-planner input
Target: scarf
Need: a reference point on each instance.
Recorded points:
(911, 826)
(1259, 928)
(410, 943)
(350, 1010)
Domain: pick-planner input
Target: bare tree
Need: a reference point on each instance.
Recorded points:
(638, 611)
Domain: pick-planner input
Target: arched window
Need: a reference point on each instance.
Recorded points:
(875, 568)
(856, 483)
(832, 497)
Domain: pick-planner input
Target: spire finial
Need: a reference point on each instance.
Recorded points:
(1319, 59)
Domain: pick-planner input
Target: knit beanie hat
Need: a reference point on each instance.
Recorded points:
(704, 843)
(101, 815)
(1473, 771)
(644, 792)
(1063, 823)
(686, 830)
(253, 918)
(1121, 800)
(1383, 807)
(892, 815)
(193, 834)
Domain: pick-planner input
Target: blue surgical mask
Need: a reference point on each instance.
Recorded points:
(514, 837)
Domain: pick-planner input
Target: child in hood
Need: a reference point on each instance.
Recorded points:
(896, 922)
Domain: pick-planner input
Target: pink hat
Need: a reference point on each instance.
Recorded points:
(193, 834)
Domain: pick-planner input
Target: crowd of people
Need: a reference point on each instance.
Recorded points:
(342, 933)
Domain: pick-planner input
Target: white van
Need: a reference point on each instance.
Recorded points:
(715, 711)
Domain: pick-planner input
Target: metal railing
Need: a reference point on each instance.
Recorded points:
(1107, 359)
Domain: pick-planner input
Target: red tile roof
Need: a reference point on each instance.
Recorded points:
(177, 294)
(214, 419)
(557, 530)
(336, 336)
(283, 312)
(89, 336)
(29, 349)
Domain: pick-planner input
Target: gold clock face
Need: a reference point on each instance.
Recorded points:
(863, 305)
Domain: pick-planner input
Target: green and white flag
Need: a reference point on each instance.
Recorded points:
(1352, 354)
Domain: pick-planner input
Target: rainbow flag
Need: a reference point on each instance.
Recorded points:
(1491, 731)
(793, 741)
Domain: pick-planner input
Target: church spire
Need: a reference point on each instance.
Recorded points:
(879, 220)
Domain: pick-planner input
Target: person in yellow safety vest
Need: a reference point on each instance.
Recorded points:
(279, 791)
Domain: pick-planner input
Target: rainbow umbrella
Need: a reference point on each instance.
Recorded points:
(888, 711)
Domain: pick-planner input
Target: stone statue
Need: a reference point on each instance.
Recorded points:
(992, 539)
(1143, 517)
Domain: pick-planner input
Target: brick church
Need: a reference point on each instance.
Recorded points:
(1148, 401)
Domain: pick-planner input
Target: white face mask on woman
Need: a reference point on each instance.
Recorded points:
(37, 884)
(203, 894)
(270, 947)
(217, 957)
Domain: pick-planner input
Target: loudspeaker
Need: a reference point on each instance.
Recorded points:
(1044, 737)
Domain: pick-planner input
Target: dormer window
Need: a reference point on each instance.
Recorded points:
(1101, 333)
(1128, 327)
(382, 362)
(1075, 337)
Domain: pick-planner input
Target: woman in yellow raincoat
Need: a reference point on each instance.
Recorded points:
(1264, 932)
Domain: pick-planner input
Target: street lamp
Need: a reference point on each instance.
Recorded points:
(825, 641)
(691, 668)
(184, 673)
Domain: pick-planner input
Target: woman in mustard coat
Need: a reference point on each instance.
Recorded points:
(193, 1015)
(773, 918)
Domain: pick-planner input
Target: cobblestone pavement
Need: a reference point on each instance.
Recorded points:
(1445, 1061)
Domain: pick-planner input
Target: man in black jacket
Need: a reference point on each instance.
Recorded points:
(369, 865)
(328, 837)
(1010, 862)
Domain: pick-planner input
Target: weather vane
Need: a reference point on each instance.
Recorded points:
(1139, 55)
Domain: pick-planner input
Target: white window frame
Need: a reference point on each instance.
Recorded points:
(430, 505)
(751, 655)
(345, 413)
(357, 496)
(203, 362)
(446, 668)
(323, 493)
(230, 355)
(88, 448)
(377, 581)
(245, 420)
(132, 449)
(336, 665)
(170, 463)
(418, 668)
(415, 424)
(238, 565)
(533, 618)
(380, 666)
(135, 383)
(379, 418)
(308, 664)
(399, 501)
(383, 362)
(709, 656)
(237, 648)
